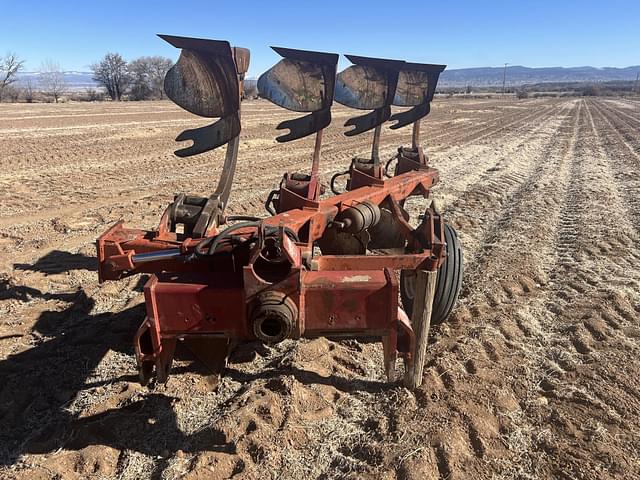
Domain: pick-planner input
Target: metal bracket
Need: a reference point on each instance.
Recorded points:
(207, 81)
(303, 81)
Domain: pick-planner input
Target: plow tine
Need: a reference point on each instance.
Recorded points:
(364, 123)
(303, 81)
(206, 81)
(416, 87)
(209, 137)
(369, 84)
(301, 127)
(408, 117)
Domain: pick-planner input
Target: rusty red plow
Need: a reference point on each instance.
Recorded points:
(318, 265)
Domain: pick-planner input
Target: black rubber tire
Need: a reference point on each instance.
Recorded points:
(448, 283)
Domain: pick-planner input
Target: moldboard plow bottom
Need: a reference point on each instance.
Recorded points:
(317, 265)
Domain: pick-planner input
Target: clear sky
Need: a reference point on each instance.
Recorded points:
(458, 33)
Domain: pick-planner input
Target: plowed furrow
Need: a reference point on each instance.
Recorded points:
(515, 216)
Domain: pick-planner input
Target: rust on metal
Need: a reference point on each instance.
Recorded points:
(303, 81)
(206, 81)
(263, 279)
(369, 84)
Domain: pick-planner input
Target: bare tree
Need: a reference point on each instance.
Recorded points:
(28, 91)
(250, 89)
(140, 85)
(10, 65)
(93, 95)
(147, 77)
(12, 93)
(112, 73)
(158, 68)
(52, 79)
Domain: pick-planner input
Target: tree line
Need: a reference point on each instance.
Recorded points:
(139, 79)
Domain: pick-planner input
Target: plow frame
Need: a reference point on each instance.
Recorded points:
(316, 267)
(190, 299)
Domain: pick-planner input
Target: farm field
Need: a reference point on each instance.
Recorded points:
(534, 376)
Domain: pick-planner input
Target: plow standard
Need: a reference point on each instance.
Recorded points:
(319, 265)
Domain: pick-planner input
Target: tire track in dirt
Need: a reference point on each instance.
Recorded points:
(512, 277)
(591, 287)
(567, 341)
(626, 125)
(454, 163)
(460, 358)
(530, 379)
(624, 159)
(478, 208)
(495, 126)
(619, 111)
(572, 330)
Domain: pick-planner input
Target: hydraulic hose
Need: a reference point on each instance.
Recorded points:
(333, 181)
(208, 246)
(245, 218)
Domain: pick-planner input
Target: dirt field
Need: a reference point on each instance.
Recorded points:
(535, 376)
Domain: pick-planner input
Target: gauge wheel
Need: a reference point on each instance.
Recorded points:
(448, 282)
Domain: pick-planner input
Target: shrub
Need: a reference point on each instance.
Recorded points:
(591, 91)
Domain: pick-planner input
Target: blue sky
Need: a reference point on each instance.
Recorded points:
(460, 34)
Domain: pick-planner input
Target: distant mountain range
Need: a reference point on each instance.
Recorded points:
(517, 75)
(74, 80)
(477, 77)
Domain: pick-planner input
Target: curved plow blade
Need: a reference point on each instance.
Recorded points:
(369, 84)
(416, 87)
(303, 81)
(206, 82)
(209, 137)
(366, 122)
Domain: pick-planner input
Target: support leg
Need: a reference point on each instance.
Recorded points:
(165, 359)
(421, 321)
(390, 351)
(213, 353)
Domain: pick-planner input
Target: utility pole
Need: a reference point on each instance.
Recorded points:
(504, 77)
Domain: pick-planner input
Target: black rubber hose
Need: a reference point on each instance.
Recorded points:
(201, 248)
(386, 167)
(244, 218)
(292, 235)
(208, 246)
(269, 202)
(225, 233)
(333, 181)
